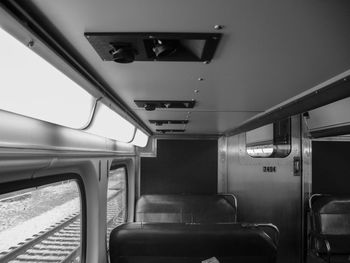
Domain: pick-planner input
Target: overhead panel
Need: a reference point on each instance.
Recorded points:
(129, 47)
(264, 57)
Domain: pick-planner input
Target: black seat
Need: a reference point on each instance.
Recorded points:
(330, 227)
(186, 208)
(180, 243)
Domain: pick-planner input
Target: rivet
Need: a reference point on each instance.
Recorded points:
(196, 91)
(200, 79)
(218, 27)
(150, 36)
(206, 62)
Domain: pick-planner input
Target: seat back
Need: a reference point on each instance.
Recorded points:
(330, 214)
(330, 224)
(180, 243)
(186, 208)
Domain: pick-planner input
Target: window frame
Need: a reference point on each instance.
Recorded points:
(17, 185)
(115, 166)
(277, 153)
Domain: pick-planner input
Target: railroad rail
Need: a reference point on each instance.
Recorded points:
(61, 242)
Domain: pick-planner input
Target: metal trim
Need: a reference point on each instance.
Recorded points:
(329, 132)
(236, 204)
(336, 89)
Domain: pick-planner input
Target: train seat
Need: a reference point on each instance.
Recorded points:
(186, 209)
(330, 227)
(181, 242)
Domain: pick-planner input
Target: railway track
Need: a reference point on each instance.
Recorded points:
(61, 242)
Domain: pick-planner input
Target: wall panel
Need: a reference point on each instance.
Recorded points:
(271, 197)
(181, 166)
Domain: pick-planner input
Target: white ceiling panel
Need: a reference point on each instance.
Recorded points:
(270, 51)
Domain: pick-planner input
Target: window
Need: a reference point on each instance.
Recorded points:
(32, 87)
(270, 141)
(41, 224)
(140, 139)
(107, 123)
(116, 199)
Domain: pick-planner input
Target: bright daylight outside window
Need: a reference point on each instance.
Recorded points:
(107, 123)
(116, 199)
(32, 87)
(41, 224)
(140, 139)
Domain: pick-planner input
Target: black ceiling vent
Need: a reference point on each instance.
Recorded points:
(161, 122)
(151, 105)
(129, 47)
(169, 130)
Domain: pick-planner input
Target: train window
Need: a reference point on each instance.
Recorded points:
(270, 141)
(32, 87)
(116, 199)
(140, 139)
(41, 224)
(107, 123)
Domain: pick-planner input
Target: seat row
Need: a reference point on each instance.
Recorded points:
(191, 228)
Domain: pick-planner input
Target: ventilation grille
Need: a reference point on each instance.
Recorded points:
(170, 130)
(162, 122)
(167, 104)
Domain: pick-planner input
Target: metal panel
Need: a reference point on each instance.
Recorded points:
(222, 165)
(268, 197)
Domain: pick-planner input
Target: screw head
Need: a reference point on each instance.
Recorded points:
(218, 27)
(30, 43)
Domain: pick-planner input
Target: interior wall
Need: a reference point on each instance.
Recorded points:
(181, 167)
(330, 167)
(269, 197)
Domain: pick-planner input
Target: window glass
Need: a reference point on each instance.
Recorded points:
(32, 87)
(140, 139)
(116, 199)
(107, 123)
(41, 224)
(270, 141)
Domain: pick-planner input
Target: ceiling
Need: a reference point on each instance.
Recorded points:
(270, 51)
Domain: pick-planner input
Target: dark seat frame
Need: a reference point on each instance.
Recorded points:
(314, 236)
(270, 230)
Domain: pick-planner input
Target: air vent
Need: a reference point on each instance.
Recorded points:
(169, 130)
(129, 47)
(161, 122)
(151, 105)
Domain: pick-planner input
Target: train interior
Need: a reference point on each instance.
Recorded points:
(174, 131)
